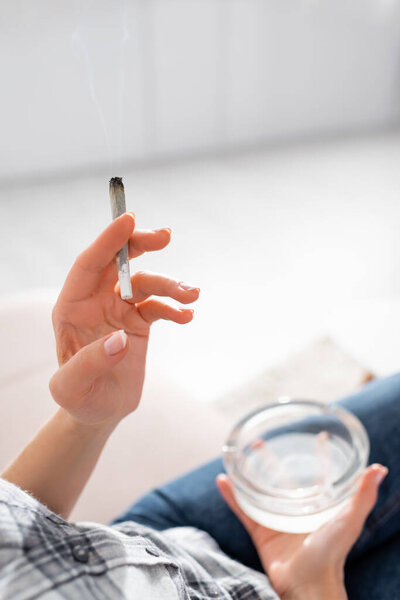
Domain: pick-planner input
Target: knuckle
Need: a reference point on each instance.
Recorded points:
(80, 260)
(172, 284)
(149, 305)
(140, 278)
(85, 361)
(55, 387)
(84, 262)
(146, 310)
(54, 314)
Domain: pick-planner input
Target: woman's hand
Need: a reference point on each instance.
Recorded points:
(102, 368)
(311, 566)
(101, 347)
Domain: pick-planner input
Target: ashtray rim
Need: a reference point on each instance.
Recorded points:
(340, 488)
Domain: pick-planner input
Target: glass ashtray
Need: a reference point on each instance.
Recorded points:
(295, 463)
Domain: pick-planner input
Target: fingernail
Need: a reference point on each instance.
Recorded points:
(259, 443)
(381, 474)
(115, 343)
(163, 229)
(188, 288)
(128, 212)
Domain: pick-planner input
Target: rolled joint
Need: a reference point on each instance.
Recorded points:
(118, 208)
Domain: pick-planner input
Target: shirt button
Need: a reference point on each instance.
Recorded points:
(55, 519)
(152, 552)
(80, 553)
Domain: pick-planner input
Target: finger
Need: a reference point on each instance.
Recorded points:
(86, 274)
(140, 242)
(344, 530)
(146, 284)
(153, 310)
(148, 241)
(363, 501)
(74, 379)
(225, 488)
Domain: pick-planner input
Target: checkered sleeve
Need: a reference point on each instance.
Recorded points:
(44, 557)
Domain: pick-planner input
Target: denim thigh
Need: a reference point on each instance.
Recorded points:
(193, 499)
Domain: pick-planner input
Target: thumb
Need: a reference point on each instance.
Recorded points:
(225, 488)
(259, 534)
(75, 378)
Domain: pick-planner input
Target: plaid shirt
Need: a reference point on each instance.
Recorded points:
(43, 556)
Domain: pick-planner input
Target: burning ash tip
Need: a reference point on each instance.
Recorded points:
(116, 181)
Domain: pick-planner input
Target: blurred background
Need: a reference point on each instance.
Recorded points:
(265, 133)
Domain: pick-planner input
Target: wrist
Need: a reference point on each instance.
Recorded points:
(318, 591)
(88, 431)
(328, 588)
(55, 466)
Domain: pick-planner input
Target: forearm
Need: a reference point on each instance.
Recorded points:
(55, 466)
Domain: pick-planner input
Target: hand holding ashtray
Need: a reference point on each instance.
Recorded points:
(295, 463)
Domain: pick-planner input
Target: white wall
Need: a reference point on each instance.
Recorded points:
(177, 76)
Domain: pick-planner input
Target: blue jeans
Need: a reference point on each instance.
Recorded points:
(373, 566)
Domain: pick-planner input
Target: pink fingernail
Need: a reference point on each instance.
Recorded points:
(188, 288)
(130, 213)
(222, 477)
(115, 343)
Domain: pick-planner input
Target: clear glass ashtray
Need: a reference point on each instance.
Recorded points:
(294, 463)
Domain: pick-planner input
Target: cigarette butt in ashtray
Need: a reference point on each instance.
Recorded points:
(324, 466)
(118, 208)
